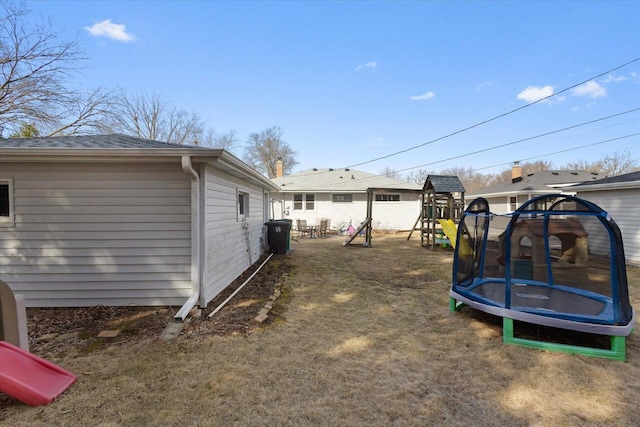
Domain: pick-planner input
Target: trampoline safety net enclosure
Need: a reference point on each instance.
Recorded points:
(557, 261)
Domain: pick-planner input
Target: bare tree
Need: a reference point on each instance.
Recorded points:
(34, 69)
(609, 165)
(92, 113)
(263, 150)
(391, 173)
(418, 176)
(227, 141)
(148, 116)
(470, 179)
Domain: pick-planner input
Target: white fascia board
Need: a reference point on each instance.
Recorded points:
(631, 185)
(311, 190)
(123, 155)
(568, 184)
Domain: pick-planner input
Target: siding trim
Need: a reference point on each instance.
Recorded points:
(9, 221)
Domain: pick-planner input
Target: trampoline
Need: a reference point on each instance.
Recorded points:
(557, 261)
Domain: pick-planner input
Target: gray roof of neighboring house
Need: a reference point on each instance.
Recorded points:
(443, 184)
(337, 180)
(627, 180)
(112, 141)
(538, 182)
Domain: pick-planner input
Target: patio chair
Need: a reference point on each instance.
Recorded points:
(301, 225)
(322, 229)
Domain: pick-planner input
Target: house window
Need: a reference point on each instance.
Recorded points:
(342, 198)
(6, 203)
(513, 203)
(304, 202)
(387, 197)
(243, 204)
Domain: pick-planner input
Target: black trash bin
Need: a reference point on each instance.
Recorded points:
(278, 235)
(290, 221)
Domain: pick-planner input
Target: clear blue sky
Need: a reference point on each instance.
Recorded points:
(353, 81)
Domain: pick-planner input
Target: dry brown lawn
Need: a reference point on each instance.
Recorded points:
(361, 337)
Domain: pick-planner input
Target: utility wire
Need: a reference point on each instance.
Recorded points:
(493, 118)
(508, 163)
(575, 148)
(519, 141)
(568, 136)
(495, 146)
(557, 152)
(580, 147)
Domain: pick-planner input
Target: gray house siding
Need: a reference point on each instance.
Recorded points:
(119, 220)
(622, 205)
(96, 233)
(502, 204)
(232, 243)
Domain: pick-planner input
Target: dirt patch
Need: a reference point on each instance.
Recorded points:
(55, 332)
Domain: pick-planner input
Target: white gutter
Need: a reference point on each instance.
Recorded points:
(196, 265)
(629, 185)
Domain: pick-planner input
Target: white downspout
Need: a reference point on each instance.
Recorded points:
(196, 281)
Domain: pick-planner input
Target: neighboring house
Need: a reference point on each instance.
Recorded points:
(619, 196)
(117, 220)
(341, 195)
(506, 198)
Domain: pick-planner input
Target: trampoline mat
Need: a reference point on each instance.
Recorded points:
(541, 298)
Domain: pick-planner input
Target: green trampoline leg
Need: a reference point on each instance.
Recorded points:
(617, 352)
(455, 305)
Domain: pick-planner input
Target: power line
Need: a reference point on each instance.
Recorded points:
(581, 147)
(520, 140)
(563, 151)
(508, 144)
(508, 163)
(492, 147)
(493, 118)
(568, 136)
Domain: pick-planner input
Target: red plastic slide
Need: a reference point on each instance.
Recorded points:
(30, 378)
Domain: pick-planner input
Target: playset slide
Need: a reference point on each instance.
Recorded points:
(451, 231)
(29, 378)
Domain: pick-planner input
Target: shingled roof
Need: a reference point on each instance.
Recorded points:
(337, 180)
(112, 141)
(631, 179)
(538, 182)
(443, 184)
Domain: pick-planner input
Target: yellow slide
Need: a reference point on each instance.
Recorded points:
(450, 230)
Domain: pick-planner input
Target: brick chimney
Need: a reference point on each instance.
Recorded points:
(516, 172)
(279, 168)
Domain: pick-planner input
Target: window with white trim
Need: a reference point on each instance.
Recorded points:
(513, 203)
(387, 197)
(342, 198)
(243, 204)
(304, 202)
(6, 203)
